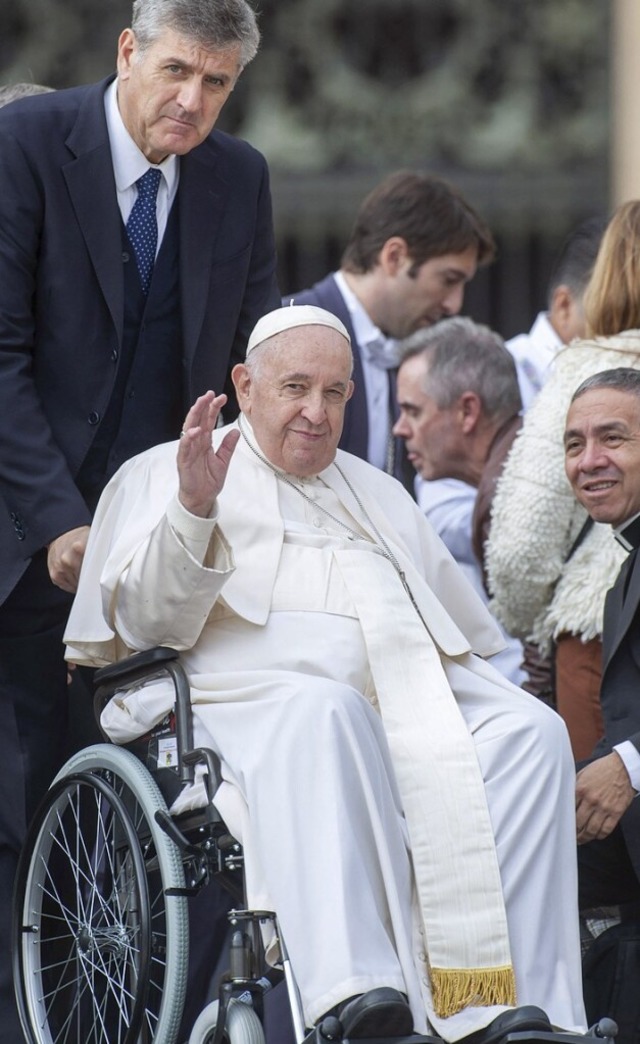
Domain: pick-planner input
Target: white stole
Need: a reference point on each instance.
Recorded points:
(452, 844)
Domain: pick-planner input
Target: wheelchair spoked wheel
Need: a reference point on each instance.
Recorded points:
(100, 950)
(242, 1025)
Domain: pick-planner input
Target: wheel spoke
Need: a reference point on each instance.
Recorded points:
(96, 961)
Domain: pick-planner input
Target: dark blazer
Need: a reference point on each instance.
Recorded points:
(355, 433)
(620, 687)
(61, 295)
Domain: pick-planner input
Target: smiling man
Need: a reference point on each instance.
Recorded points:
(381, 769)
(415, 244)
(136, 254)
(602, 458)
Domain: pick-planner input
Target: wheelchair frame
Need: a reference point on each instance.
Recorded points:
(100, 934)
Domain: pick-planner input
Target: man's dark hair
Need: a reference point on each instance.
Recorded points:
(427, 212)
(621, 378)
(574, 263)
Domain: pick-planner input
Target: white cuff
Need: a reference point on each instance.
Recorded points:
(631, 760)
(193, 532)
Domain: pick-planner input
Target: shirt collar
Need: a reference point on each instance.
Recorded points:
(628, 534)
(129, 163)
(373, 345)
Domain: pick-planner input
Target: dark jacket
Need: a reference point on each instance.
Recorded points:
(61, 298)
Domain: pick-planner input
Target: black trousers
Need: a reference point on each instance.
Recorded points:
(606, 876)
(34, 700)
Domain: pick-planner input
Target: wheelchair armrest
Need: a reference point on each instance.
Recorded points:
(116, 675)
(144, 666)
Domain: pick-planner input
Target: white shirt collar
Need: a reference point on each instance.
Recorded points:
(374, 346)
(628, 534)
(129, 163)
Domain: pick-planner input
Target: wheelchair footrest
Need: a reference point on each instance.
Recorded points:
(516, 1037)
(317, 1037)
(556, 1037)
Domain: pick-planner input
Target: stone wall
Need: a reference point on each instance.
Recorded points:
(509, 98)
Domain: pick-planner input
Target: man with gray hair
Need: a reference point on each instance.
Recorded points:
(457, 391)
(136, 254)
(459, 413)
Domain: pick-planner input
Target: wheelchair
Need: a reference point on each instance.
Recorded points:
(100, 934)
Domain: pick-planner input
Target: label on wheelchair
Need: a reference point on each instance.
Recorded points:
(167, 756)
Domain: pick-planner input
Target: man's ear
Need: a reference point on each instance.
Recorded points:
(564, 313)
(241, 377)
(469, 411)
(394, 256)
(126, 47)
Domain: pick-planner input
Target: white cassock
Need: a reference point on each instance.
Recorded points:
(313, 678)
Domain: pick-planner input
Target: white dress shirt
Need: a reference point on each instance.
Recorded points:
(533, 354)
(379, 354)
(129, 164)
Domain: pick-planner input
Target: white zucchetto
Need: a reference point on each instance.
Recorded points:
(288, 318)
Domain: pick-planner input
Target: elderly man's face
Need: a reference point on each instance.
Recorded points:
(602, 453)
(431, 434)
(170, 95)
(296, 397)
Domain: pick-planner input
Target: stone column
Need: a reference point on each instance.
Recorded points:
(625, 101)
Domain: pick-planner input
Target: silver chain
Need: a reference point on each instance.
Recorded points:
(382, 545)
(385, 550)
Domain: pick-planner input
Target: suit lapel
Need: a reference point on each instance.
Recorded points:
(91, 186)
(355, 435)
(621, 606)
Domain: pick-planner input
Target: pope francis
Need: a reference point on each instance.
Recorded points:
(407, 812)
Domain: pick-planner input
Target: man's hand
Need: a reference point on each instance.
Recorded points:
(64, 558)
(201, 470)
(603, 793)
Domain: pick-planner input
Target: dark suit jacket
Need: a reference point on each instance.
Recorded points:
(61, 295)
(355, 433)
(620, 687)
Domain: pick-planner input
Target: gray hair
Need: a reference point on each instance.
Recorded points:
(263, 352)
(621, 378)
(465, 356)
(216, 25)
(13, 91)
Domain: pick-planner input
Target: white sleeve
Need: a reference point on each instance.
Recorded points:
(630, 757)
(172, 582)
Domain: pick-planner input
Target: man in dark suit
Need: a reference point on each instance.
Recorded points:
(602, 455)
(110, 324)
(414, 245)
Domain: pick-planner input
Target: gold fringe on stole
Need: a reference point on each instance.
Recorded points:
(453, 989)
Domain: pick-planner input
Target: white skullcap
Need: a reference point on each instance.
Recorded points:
(288, 318)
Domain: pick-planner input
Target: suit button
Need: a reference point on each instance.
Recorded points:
(93, 417)
(125, 256)
(114, 355)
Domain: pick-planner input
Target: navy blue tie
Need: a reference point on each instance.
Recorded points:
(142, 226)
